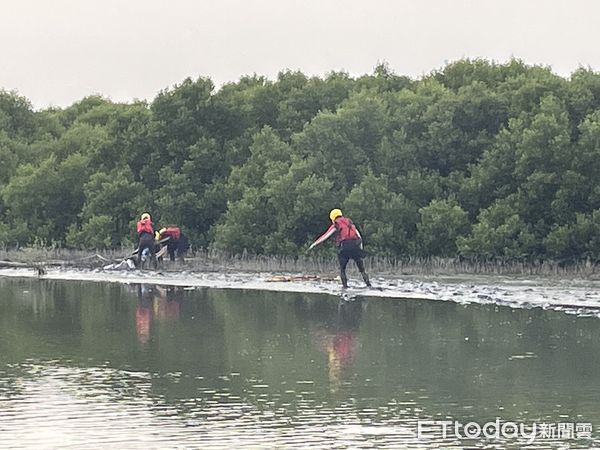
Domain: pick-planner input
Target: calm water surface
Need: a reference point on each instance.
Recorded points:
(92, 365)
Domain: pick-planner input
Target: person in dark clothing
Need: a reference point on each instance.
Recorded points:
(349, 244)
(146, 243)
(177, 243)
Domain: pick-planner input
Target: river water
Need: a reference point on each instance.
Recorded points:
(108, 365)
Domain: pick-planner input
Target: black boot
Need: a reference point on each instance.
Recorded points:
(344, 282)
(366, 279)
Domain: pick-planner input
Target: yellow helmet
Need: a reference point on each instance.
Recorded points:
(145, 216)
(335, 213)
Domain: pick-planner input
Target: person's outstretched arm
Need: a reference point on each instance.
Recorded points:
(324, 236)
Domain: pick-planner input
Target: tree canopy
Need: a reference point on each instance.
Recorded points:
(477, 159)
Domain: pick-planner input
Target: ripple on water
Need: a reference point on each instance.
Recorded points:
(61, 405)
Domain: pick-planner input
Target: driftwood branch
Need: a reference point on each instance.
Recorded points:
(40, 266)
(37, 267)
(286, 278)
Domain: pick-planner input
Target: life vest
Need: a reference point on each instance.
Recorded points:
(145, 226)
(173, 232)
(346, 231)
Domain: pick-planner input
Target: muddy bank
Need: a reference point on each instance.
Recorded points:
(581, 297)
(322, 264)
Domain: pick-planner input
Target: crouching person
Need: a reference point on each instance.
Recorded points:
(177, 243)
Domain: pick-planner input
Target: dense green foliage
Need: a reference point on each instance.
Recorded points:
(477, 159)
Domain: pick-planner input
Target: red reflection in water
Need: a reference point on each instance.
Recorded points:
(154, 301)
(143, 319)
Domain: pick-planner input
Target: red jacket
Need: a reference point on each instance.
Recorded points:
(345, 230)
(145, 226)
(173, 232)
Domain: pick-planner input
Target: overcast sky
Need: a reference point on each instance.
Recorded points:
(55, 52)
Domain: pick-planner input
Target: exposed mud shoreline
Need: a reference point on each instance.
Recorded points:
(324, 263)
(581, 297)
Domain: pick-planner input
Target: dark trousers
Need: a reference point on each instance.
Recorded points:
(178, 247)
(172, 248)
(146, 242)
(348, 250)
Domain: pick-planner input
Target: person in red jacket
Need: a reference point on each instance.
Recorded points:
(146, 244)
(177, 243)
(349, 244)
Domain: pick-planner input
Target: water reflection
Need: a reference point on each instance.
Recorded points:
(338, 339)
(145, 366)
(162, 302)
